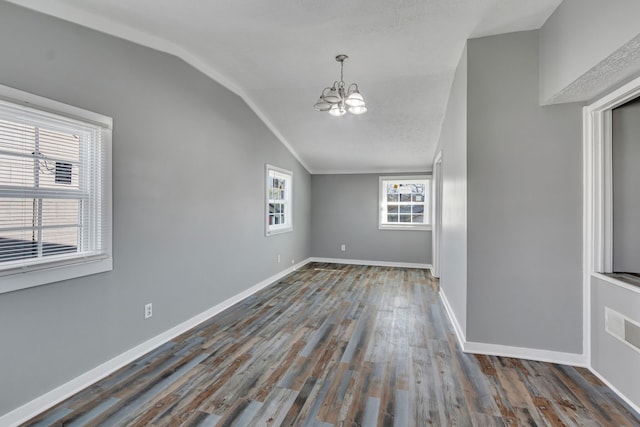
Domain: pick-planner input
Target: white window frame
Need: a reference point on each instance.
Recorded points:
(382, 203)
(287, 225)
(69, 267)
(597, 234)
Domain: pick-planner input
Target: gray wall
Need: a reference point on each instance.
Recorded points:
(580, 34)
(626, 191)
(188, 160)
(524, 202)
(613, 359)
(344, 209)
(453, 247)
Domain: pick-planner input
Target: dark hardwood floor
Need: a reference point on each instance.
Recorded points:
(338, 345)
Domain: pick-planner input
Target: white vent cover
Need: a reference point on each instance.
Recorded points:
(623, 328)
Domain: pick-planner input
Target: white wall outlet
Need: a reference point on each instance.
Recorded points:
(148, 310)
(278, 257)
(343, 247)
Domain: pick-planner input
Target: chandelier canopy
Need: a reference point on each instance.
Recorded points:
(340, 98)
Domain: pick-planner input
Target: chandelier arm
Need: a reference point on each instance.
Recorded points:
(355, 88)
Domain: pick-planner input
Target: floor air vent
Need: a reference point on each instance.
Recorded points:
(623, 328)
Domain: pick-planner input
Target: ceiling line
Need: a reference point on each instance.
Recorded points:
(125, 32)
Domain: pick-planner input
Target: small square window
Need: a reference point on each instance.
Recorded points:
(404, 203)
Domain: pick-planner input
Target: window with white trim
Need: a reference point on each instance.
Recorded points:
(278, 213)
(405, 203)
(54, 191)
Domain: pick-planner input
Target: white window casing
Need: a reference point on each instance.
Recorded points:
(278, 200)
(404, 203)
(55, 191)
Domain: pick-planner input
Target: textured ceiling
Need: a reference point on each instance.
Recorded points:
(279, 55)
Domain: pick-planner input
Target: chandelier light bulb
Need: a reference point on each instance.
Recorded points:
(358, 110)
(337, 110)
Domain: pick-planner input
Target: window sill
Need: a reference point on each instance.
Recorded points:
(278, 231)
(405, 227)
(615, 280)
(43, 274)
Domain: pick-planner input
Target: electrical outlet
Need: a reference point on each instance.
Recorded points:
(343, 247)
(148, 310)
(278, 257)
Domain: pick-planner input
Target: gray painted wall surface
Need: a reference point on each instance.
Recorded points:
(344, 209)
(524, 202)
(616, 361)
(453, 247)
(188, 183)
(626, 191)
(580, 34)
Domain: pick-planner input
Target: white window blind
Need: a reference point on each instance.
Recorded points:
(52, 180)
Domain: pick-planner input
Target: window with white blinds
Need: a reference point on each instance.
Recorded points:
(53, 189)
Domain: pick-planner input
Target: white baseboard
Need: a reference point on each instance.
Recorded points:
(573, 359)
(615, 390)
(454, 320)
(57, 395)
(373, 263)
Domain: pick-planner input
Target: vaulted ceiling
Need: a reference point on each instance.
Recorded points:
(279, 55)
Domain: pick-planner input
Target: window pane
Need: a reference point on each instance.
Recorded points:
(392, 208)
(392, 218)
(418, 209)
(18, 244)
(59, 159)
(20, 222)
(16, 171)
(279, 194)
(418, 219)
(15, 213)
(56, 212)
(418, 197)
(59, 241)
(405, 218)
(405, 209)
(392, 192)
(405, 197)
(276, 190)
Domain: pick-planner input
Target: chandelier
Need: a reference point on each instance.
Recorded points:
(340, 98)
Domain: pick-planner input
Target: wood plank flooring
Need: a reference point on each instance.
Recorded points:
(338, 345)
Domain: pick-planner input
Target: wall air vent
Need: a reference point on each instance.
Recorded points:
(623, 328)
